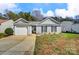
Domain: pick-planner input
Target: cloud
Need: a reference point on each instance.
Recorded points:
(72, 10)
(40, 11)
(61, 12)
(49, 13)
(9, 6)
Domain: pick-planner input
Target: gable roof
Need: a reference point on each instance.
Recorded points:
(21, 19)
(21, 22)
(2, 21)
(50, 19)
(26, 23)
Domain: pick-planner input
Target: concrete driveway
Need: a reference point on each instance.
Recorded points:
(17, 45)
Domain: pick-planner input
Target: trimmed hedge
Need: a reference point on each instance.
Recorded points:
(9, 31)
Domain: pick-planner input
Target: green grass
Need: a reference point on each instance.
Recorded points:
(70, 35)
(2, 35)
(64, 43)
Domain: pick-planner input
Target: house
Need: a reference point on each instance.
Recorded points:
(75, 27)
(47, 25)
(69, 26)
(5, 24)
(66, 26)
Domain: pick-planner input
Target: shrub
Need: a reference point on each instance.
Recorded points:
(9, 31)
(2, 35)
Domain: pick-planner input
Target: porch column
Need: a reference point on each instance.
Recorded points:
(58, 30)
(48, 29)
(38, 29)
(29, 29)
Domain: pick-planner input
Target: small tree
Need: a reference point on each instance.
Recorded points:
(9, 31)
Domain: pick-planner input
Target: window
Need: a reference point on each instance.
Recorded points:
(44, 28)
(55, 29)
(52, 29)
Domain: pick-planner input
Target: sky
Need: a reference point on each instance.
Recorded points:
(47, 9)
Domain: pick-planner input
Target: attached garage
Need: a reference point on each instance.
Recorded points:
(20, 27)
(20, 30)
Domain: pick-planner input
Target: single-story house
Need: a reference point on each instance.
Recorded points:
(47, 25)
(66, 26)
(69, 26)
(5, 24)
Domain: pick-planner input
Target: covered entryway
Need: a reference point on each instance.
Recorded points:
(20, 31)
(34, 29)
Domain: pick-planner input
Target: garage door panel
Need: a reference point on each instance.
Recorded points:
(20, 31)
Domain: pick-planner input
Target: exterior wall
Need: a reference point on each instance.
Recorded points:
(29, 29)
(7, 24)
(38, 29)
(75, 28)
(58, 30)
(66, 26)
(48, 29)
(54, 29)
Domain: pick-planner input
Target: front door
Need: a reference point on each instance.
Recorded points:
(34, 29)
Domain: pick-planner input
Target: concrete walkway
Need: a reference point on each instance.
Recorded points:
(24, 46)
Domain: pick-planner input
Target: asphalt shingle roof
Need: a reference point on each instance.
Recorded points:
(2, 21)
(26, 23)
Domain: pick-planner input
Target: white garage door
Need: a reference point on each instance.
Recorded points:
(20, 30)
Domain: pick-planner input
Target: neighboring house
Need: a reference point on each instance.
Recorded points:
(69, 26)
(5, 24)
(47, 25)
(66, 26)
(75, 27)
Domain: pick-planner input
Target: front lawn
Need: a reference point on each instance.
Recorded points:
(70, 35)
(60, 44)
